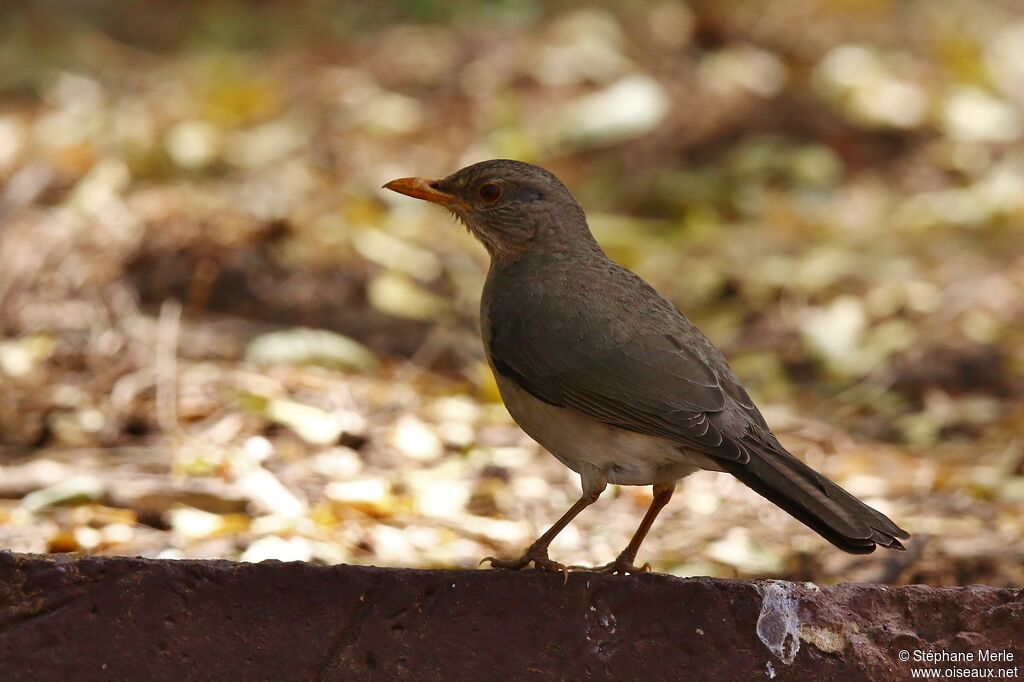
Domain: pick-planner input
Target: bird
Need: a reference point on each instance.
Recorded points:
(609, 376)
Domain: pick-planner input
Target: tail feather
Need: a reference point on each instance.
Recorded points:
(817, 502)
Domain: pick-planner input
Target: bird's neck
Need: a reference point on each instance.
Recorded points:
(554, 263)
(562, 246)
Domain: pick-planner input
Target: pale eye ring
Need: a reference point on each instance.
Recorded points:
(490, 192)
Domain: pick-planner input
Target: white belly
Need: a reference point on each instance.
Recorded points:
(628, 458)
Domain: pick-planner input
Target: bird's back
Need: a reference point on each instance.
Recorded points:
(587, 302)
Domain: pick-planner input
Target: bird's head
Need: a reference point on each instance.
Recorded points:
(512, 207)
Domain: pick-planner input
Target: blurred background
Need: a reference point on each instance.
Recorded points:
(220, 338)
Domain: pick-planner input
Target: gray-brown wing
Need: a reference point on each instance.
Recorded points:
(652, 383)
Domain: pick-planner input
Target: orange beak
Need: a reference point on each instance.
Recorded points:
(420, 188)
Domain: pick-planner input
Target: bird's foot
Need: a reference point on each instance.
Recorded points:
(620, 566)
(538, 556)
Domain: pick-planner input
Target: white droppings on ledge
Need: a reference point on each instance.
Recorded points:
(778, 624)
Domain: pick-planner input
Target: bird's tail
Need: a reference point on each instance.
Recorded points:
(835, 514)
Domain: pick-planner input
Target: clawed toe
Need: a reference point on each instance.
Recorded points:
(538, 559)
(620, 566)
(509, 564)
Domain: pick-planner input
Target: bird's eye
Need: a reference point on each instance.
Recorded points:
(490, 192)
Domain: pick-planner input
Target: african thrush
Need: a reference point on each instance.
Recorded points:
(609, 376)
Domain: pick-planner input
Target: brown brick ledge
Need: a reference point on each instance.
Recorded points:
(113, 618)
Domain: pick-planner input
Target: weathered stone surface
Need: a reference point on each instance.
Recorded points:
(95, 618)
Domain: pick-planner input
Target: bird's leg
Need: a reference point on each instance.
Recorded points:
(537, 553)
(624, 562)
